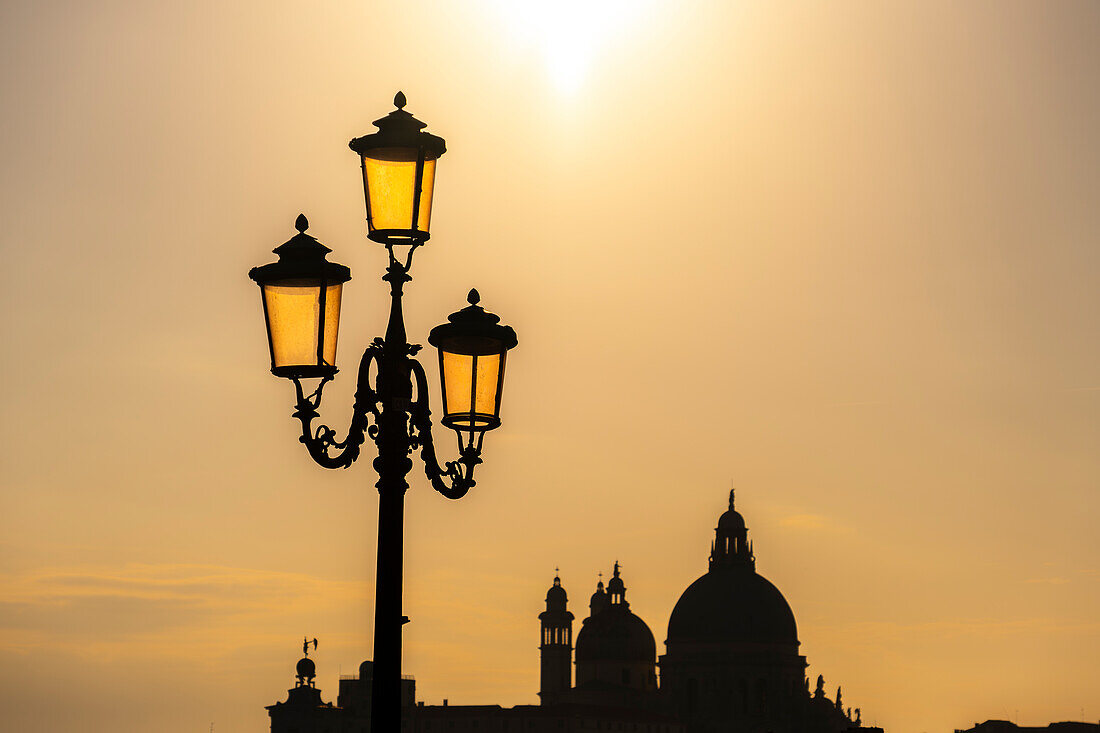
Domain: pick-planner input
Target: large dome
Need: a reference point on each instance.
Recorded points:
(615, 634)
(732, 603)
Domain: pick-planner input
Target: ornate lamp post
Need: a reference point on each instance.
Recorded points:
(301, 299)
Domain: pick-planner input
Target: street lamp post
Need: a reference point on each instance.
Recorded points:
(301, 295)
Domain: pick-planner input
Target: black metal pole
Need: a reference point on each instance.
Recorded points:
(399, 425)
(393, 465)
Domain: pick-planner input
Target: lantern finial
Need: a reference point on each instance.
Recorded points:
(301, 223)
(473, 298)
(399, 100)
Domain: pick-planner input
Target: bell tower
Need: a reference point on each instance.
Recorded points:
(557, 645)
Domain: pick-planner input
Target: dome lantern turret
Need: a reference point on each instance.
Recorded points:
(616, 589)
(731, 545)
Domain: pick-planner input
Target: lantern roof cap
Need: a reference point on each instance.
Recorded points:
(399, 129)
(301, 256)
(473, 330)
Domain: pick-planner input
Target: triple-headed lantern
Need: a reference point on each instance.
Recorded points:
(301, 297)
(302, 291)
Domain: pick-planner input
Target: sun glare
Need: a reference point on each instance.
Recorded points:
(569, 35)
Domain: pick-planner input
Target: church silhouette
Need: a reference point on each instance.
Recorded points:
(732, 665)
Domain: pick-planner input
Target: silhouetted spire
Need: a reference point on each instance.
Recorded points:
(839, 707)
(820, 691)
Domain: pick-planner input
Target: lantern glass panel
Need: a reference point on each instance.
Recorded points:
(294, 322)
(458, 372)
(389, 175)
(485, 389)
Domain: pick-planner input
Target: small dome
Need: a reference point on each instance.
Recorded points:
(366, 670)
(615, 635)
(556, 594)
(306, 668)
(732, 603)
(731, 521)
(599, 598)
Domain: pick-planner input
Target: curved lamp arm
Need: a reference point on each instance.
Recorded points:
(460, 472)
(318, 442)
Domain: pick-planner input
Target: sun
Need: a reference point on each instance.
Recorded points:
(570, 35)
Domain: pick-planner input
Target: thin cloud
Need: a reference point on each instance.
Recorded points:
(211, 584)
(805, 521)
(171, 609)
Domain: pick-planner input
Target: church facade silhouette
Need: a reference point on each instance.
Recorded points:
(731, 665)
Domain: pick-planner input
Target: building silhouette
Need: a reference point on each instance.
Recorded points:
(731, 665)
(556, 649)
(1004, 726)
(733, 644)
(304, 710)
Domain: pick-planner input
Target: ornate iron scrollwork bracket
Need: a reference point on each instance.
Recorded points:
(453, 479)
(322, 440)
(460, 473)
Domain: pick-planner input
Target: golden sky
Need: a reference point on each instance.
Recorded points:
(844, 255)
